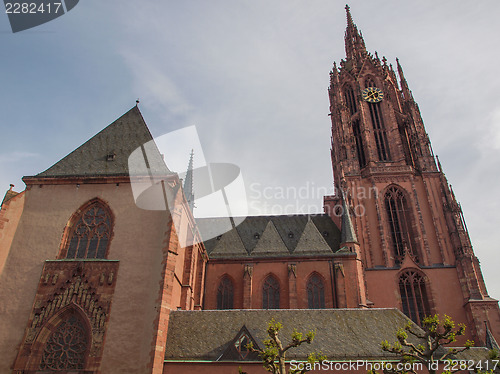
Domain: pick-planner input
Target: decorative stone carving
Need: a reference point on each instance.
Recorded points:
(87, 286)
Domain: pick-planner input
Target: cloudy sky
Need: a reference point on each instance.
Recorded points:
(252, 76)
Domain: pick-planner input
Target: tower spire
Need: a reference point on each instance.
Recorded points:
(354, 42)
(188, 183)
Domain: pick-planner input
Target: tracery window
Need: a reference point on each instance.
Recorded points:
(225, 294)
(91, 234)
(66, 348)
(414, 296)
(315, 292)
(399, 224)
(270, 293)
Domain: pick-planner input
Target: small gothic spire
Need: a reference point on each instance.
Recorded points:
(347, 233)
(439, 164)
(491, 343)
(402, 81)
(188, 183)
(354, 43)
(350, 22)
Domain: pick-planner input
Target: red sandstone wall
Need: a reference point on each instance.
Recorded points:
(138, 237)
(443, 291)
(261, 269)
(10, 214)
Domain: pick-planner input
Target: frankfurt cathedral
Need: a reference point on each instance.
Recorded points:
(92, 283)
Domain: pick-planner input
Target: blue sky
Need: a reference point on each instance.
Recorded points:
(252, 76)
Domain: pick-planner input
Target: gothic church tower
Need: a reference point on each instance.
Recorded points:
(415, 248)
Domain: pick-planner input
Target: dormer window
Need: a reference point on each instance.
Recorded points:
(241, 345)
(111, 156)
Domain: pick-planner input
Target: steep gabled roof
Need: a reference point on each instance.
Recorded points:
(311, 241)
(270, 243)
(107, 153)
(230, 245)
(269, 236)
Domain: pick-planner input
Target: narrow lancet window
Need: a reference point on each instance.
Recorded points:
(225, 294)
(360, 149)
(350, 100)
(315, 292)
(379, 132)
(271, 293)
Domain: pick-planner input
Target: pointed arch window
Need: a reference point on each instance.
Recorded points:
(360, 149)
(399, 224)
(414, 296)
(225, 294)
(92, 233)
(350, 100)
(315, 292)
(67, 347)
(271, 293)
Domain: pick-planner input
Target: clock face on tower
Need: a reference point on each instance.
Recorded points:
(372, 94)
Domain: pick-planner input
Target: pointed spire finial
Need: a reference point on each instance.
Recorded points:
(402, 80)
(188, 183)
(137, 102)
(347, 233)
(439, 163)
(354, 43)
(401, 74)
(348, 14)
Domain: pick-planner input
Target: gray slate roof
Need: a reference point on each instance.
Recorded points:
(270, 236)
(125, 135)
(340, 333)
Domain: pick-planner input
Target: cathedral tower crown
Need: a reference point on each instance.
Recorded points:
(375, 121)
(407, 223)
(354, 42)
